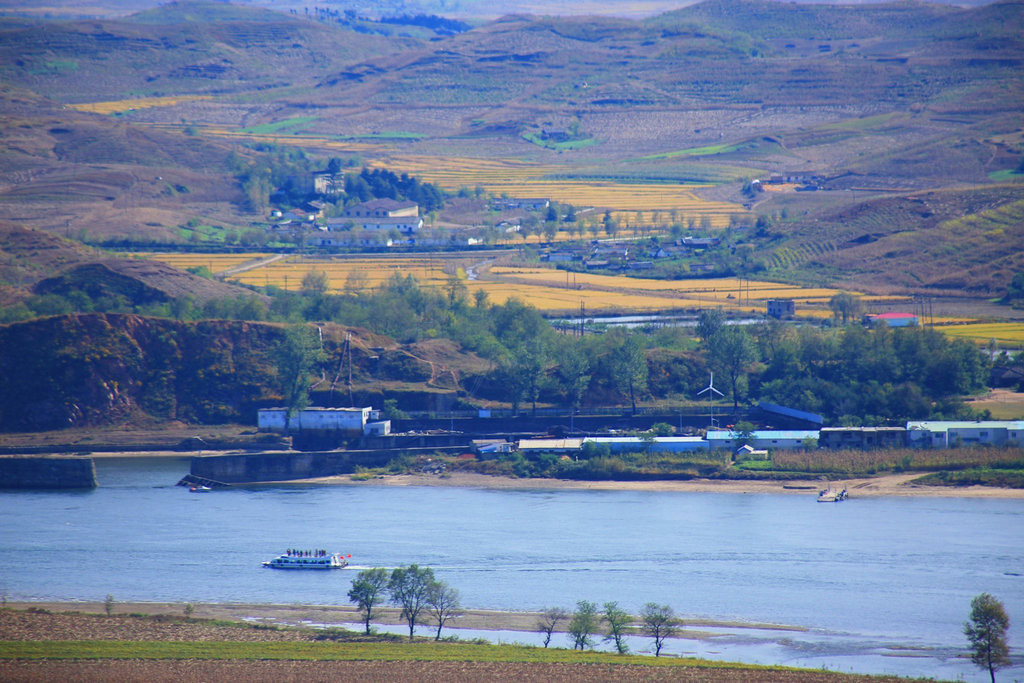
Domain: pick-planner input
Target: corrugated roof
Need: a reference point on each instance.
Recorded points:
(550, 444)
(791, 412)
(945, 425)
(799, 434)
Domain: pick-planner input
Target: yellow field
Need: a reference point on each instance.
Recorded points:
(631, 204)
(288, 273)
(723, 291)
(1005, 334)
(118, 106)
(215, 262)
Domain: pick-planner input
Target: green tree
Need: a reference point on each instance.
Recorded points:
(297, 354)
(744, 432)
(410, 589)
(574, 373)
(709, 323)
(315, 283)
(659, 622)
(368, 590)
(628, 363)
(731, 352)
(583, 624)
(618, 621)
(443, 604)
(108, 604)
(846, 306)
(986, 632)
(549, 621)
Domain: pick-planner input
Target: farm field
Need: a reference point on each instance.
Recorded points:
(551, 291)
(217, 263)
(1009, 335)
(633, 204)
(120, 106)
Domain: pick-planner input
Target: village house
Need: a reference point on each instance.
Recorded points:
(781, 309)
(380, 215)
(890, 319)
(529, 203)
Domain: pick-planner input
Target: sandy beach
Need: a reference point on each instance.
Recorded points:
(858, 487)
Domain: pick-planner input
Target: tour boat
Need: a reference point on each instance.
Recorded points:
(308, 559)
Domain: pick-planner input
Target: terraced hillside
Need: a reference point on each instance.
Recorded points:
(894, 98)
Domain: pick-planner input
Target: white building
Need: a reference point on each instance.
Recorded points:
(950, 434)
(658, 444)
(328, 419)
(763, 439)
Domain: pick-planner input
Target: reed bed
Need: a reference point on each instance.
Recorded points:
(858, 462)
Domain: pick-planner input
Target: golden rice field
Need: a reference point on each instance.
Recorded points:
(551, 291)
(631, 204)
(722, 291)
(635, 204)
(217, 263)
(118, 106)
(1005, 334)
(287, 273)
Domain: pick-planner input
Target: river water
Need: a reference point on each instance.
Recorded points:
(881, 585)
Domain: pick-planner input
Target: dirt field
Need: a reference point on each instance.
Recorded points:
(21, 626)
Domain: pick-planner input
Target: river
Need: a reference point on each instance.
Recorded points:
(882, 585)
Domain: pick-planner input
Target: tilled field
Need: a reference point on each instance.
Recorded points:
(46, 626)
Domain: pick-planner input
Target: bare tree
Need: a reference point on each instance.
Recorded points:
(443, 603)
(367, 591)
(618, 621)
(549, 620)
(660, 622)
(987, 633)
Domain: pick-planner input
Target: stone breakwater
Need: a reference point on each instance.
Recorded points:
(37, 472)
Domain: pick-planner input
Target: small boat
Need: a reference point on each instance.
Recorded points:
(308, 559)
(830, 495)
(199, 488)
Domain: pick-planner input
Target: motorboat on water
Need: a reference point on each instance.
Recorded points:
(830, 495)
(308, 559)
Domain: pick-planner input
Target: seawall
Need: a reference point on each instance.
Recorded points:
(251, 468)
(34, 472)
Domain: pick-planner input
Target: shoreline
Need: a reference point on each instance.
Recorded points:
(880, 485)
(858, 487)
(313, 616)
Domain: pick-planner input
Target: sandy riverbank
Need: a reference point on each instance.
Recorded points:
(859, 487)
(321, 615)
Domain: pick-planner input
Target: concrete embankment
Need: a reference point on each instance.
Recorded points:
(250, 468)
(32, 472)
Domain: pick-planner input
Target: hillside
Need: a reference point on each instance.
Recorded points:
(895, 98)
(34, 262)
(106, 369)
(195, 48)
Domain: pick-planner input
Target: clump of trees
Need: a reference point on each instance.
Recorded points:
(658, 622)
(413, 588)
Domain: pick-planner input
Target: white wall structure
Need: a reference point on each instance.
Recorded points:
(331, 419)
(659, 444)
(764, 438)
(949, 434)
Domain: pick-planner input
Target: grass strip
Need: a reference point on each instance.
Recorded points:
(324, 651)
